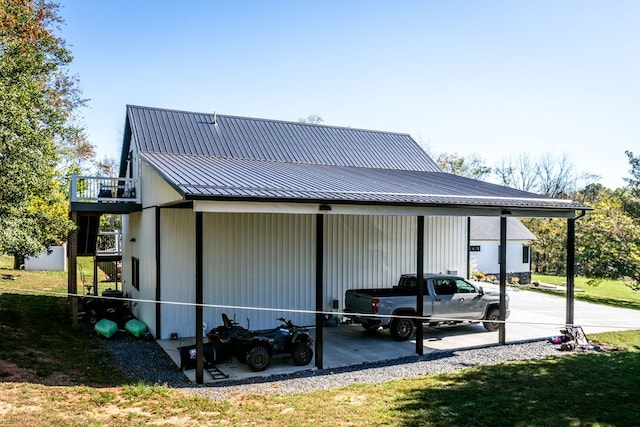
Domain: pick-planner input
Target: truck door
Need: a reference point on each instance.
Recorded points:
(469, 300)
(443, 302)
(456, 299)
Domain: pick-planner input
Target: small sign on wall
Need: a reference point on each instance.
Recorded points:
(474, 248)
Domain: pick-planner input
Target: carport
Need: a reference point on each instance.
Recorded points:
(502, 207)
(202, 175)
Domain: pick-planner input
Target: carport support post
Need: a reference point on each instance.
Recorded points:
(571, 258)
(420, 286)
(502, 256)
(72, 267)
(199, 301)
(319, 289)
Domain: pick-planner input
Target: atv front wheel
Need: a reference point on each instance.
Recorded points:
(258, 358)
(302, 353)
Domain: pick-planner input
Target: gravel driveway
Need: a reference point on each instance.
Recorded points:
(146, 361)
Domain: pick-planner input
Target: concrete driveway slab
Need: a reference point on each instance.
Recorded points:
(533, 316)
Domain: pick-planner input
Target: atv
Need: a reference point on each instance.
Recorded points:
(257, 348)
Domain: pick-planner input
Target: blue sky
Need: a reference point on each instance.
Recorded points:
(492, 78)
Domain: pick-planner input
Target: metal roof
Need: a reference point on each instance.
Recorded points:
(217, 157)
(214, 135)
(197, 177)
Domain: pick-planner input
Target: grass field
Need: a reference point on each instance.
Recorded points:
(609, 292)
(54, 375)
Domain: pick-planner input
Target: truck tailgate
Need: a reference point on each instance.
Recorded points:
(357, 302)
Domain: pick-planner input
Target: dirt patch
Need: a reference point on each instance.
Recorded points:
(10, 372)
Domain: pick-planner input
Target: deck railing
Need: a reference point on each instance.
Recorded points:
(104, 189)
(109, 243)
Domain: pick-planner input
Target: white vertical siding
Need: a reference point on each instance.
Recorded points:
(366, 252)
(139, 238)
(445, 244)
(261, 261)
(268, 261)
(177, 270)
(372, 251)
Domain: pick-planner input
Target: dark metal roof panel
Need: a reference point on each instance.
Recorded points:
(219, 178)
(178, 132)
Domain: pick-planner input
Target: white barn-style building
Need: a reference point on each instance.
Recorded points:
(264, 218)
(484, 248)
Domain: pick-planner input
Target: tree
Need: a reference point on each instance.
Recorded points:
(470, 167)
(608, 243)
(634, 183)
(38, 130)
(313, 119)
(519, 173)
(548, 174)
(631, 194)
(548, 251)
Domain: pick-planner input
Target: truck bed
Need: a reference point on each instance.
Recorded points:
(383, 292)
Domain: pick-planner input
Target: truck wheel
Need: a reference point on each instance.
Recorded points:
(258, 358)
(489, 323)
(370, 328)
(302, 353)
(401, 329)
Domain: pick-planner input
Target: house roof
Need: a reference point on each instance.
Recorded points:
(488, 228)
(219, 136)
(219, 157)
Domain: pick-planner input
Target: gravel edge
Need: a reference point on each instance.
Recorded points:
(145, 361)
(435, 362)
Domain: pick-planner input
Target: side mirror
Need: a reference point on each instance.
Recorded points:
(480, 290)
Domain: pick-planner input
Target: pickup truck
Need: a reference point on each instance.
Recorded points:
(447, 300)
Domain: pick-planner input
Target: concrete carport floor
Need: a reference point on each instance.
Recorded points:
(533, 316)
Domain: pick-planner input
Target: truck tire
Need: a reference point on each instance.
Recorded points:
(302, 353)
(489, 323)
(401, 329)
(258, 358)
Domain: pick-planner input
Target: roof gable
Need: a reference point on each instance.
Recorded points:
(213, 135)
(488, 228)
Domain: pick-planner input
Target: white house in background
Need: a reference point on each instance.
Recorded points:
(55, 259)
(484, 244)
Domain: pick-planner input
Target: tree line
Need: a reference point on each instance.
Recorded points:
(607, 238)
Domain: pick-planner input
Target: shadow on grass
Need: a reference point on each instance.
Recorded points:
(586, 389)
(39, 345)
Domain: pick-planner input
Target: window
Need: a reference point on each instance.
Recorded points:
(526, 254)
(464, 287)
(135, 273)
(445, 286)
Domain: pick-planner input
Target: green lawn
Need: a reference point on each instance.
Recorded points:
(609, 292)
(52, 374)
